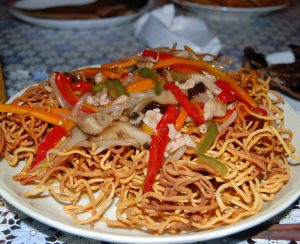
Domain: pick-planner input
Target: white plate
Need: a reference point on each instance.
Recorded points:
(219, 12)
(50, 212)
(80, 23)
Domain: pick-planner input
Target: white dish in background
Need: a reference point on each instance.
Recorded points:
(78, 23)
(50, 212)
(41, 4)
(220, 12)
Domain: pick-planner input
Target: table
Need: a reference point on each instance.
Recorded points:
(28, 53)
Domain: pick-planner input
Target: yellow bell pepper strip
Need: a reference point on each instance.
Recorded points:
(49, 142)
(158, 145)
(64, 86)
(238, 91)
(208, 139)
(37, 113)
(120, 64)
(181, 119)
(185, 103)
(140, 85)
(220, 168)
(147, 129)
(148, 73)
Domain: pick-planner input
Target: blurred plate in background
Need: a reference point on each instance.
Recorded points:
(221, 12)
(75, 16)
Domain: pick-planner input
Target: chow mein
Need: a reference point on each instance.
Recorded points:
(172, 140)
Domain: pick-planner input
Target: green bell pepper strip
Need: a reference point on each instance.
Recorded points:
(114, 88)
(148, 73)
(208, 138)
(204, 145)
(220, 168)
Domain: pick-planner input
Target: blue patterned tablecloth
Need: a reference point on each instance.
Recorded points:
(28, 53)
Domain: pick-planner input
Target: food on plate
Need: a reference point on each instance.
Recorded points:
(285, 77)
(240, 3)
(169, 139)
(95, 10)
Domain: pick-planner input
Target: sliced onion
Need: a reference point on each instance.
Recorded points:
(61, 100)
(142, 94)
(104, 144)
(77, 106)
(229, 121)
(73, 140)
(68, 117)
(76, 137)
(268, 110)
(177, 154)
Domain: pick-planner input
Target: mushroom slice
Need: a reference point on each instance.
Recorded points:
(124, 130)
(95, 123)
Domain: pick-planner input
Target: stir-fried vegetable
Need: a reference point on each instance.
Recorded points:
(63, 83)
(156, 55)
(185, 103)
(213, 163)
(148, 73)
(37, 113)
(208, 139)
(232, 84)
(113, 87)
(158, 145)
(140, 85)
(49, 142)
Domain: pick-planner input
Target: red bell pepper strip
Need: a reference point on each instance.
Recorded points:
(66, 91)
(231, 89)
(185, 68)
(185, 102)
(226, 96)
(49, 142)
(158, 145)
(260, 111)
(156, 55)
(239, 91)
(82, 86)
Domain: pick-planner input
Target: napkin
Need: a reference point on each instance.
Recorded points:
(162, 28)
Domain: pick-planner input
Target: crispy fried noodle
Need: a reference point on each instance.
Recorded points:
(174, 142)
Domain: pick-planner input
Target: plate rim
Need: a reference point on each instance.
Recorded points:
(200, 6)
(206, 235)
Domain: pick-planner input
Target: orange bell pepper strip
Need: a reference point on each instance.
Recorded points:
(140, 85)
(91, 72)
(120, 64)
(37, 113)
(181, 119)
(224, 118)
(239, 91)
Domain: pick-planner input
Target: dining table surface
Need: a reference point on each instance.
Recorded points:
(29, 52)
